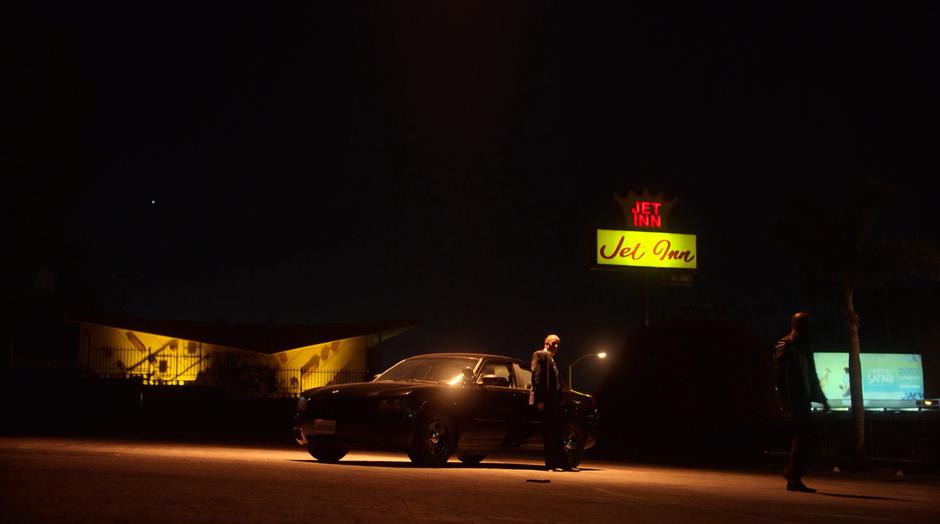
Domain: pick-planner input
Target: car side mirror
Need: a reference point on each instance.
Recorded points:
(494, 380)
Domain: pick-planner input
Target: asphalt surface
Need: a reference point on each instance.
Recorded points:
(69, 480)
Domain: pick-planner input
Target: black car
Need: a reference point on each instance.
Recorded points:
(432, 406)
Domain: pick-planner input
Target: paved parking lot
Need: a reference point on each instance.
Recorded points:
(67, 480)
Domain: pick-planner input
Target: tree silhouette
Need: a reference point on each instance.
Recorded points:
(850, 243)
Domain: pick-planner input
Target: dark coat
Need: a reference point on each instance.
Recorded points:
(546, 381)
(795, 374)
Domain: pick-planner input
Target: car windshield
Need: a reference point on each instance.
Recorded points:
(428, 369)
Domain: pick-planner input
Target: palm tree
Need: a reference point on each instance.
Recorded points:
(849, 245)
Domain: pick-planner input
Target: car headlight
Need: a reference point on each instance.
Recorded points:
(302, 403)
(393, 404)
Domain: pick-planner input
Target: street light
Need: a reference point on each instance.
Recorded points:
(602, 354)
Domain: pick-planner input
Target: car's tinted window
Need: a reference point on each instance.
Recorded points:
(500, 369)
(523, 377)
(436, 369)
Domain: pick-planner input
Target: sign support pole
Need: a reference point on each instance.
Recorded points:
(644, 299)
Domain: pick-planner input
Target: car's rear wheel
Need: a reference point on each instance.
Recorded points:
(572, 444)
(471, 459)
(434, 440)
(326, 452)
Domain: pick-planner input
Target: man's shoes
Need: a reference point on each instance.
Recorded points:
(797, 485)
(570, 468)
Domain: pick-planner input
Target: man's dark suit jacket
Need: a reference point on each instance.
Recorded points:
(546, 382)
(795, 374)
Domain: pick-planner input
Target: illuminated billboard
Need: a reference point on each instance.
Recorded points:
(885, 376)
(645, 249)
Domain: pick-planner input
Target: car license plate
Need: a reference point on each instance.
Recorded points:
(324, 427)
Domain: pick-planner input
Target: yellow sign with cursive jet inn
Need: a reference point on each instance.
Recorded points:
(645, 249)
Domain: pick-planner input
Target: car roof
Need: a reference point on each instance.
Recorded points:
(468, 355)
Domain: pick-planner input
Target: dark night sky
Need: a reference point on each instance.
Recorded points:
(446, 161)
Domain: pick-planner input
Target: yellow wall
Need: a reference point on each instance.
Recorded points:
(115, 351)
(347, 354)
(111, 351)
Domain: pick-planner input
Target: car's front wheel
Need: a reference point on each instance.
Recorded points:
(434, 440)
(326, 452)
(572, 444)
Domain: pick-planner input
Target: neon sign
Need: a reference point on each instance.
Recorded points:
(645, 210)
(646, 214)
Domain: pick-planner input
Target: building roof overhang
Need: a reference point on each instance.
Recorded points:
(260, 338)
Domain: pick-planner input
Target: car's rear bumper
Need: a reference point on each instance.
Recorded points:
(590, 442)
(590, 430)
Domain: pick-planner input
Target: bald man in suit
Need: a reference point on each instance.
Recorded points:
(546, 396)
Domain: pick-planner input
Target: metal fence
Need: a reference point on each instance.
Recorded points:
(291, 382)
(173, 365)
(162, 366)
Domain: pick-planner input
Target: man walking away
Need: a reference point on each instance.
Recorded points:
(797, 386)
